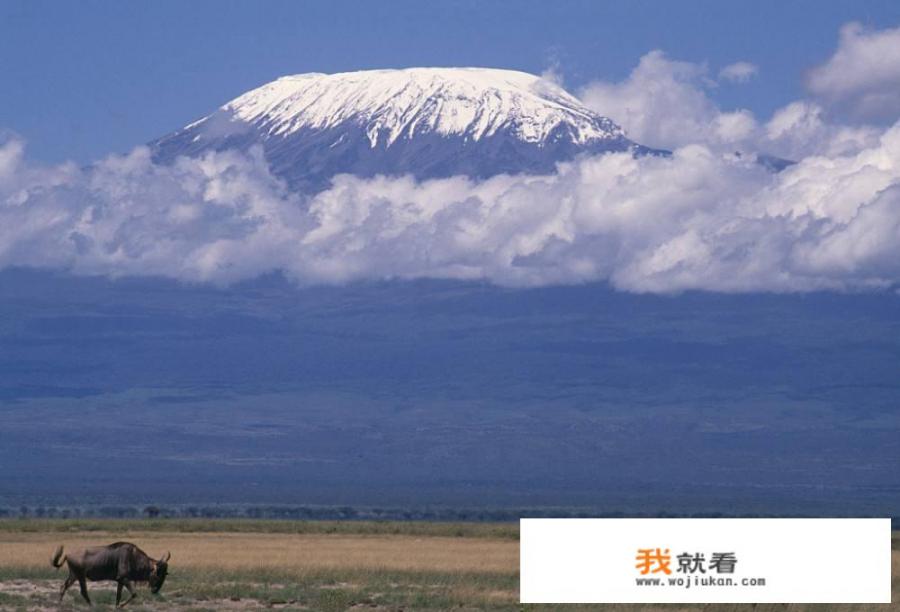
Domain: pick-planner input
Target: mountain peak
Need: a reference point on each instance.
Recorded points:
(426, 122)
(392, 104)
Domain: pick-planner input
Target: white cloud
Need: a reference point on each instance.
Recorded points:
(697, 220)
(800, 129)
(663, 103)
(733, 128)
(666, 103)
(863, 75)
(739, 72)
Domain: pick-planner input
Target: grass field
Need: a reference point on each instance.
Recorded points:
(297, 565)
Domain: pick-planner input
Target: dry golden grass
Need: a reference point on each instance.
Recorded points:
(301, 553)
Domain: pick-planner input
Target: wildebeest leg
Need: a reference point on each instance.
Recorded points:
(131, 593)
(118, 594)
(83, 584)
(65, 587)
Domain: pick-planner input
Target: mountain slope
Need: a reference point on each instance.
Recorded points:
(428, 122)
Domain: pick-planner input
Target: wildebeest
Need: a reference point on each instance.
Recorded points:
(123, 562)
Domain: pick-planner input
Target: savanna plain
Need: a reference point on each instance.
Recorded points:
(304, 565)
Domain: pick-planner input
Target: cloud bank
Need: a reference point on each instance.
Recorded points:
(697, 220)
(703, 219)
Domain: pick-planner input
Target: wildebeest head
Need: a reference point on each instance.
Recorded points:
(158, 573)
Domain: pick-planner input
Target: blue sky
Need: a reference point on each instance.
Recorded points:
(88, 78)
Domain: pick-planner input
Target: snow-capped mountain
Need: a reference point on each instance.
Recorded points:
(428, 122)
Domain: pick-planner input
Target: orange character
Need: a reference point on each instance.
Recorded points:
(653, 561)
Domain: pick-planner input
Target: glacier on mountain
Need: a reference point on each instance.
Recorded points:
(424, 122)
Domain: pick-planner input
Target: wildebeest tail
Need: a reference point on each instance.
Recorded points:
(58, 558)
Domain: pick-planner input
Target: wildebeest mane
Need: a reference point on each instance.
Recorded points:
(141, 564)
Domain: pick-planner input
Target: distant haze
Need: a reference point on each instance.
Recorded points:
(446, 393)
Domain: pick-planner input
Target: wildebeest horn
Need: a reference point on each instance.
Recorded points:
(166, 558)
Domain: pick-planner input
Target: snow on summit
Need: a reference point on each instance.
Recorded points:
(473, 102)
(427, 122)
